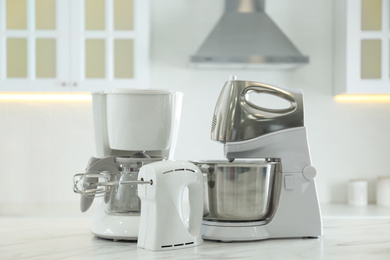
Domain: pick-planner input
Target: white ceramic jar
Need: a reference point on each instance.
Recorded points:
(357, 192)
(383, 191)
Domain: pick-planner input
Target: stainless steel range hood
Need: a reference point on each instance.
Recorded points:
(246, 37)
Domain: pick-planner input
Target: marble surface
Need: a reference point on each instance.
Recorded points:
(70, 238)
(348, 211)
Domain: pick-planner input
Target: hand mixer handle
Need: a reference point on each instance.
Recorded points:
(195, 197)
(236, 118)
(271, 90)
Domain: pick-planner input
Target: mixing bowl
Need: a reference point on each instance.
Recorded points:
(238, 191)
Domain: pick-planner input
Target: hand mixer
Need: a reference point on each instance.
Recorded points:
(165, 222)
(269, 165)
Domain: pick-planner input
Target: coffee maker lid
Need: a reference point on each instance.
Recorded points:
(134, 91)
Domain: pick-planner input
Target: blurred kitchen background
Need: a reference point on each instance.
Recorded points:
(43, 143)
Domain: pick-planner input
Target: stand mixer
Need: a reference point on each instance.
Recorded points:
(132, 128)
(267, 187)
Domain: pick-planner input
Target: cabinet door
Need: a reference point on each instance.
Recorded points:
(368, 29)
(73, 45)
(32, 35)
(109, 44)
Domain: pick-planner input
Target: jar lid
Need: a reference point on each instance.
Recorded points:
(383, 177)
(358, 180)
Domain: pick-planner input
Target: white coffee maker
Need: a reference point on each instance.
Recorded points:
(132, 128)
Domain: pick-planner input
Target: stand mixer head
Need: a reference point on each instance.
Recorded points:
(237, 118)
(250, 130)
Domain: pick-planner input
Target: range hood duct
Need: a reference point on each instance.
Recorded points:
(246, 37)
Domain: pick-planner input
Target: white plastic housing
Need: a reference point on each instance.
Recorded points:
(289, 145)
(116, 227)
(134, 120)
(163, 222)
(297, 211)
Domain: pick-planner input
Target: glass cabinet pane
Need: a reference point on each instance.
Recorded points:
(45, 14)
(371, 15)
(16, 13)
(95, 61)
(370, 63)
(45, 58)
(94, 15)
(17, 58)
(123, 14)
(123, 59)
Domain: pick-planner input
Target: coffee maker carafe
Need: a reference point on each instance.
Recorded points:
(132, 127)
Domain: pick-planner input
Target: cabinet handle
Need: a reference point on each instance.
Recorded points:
(74, 84)
(63, 84)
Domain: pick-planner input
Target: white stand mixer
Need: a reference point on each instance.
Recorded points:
(132, 128)
(251, 131)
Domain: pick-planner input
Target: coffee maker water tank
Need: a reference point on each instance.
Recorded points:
(127, 121)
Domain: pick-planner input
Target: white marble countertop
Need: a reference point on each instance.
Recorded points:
(349, 233)
(70, 238)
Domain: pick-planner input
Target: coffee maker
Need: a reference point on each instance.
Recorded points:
(266, 188)
(133, 127)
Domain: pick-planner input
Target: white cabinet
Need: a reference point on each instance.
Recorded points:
(73, 45)
(361, 46)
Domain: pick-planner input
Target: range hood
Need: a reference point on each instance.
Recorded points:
(246, 37)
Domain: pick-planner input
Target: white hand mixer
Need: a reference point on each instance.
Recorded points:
(171, 188)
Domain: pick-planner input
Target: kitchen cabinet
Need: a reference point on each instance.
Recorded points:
(362, 46)
(73, 45)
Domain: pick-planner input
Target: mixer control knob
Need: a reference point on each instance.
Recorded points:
(309, 172)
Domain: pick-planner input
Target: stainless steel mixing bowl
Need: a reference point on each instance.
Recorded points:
(238, 191)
